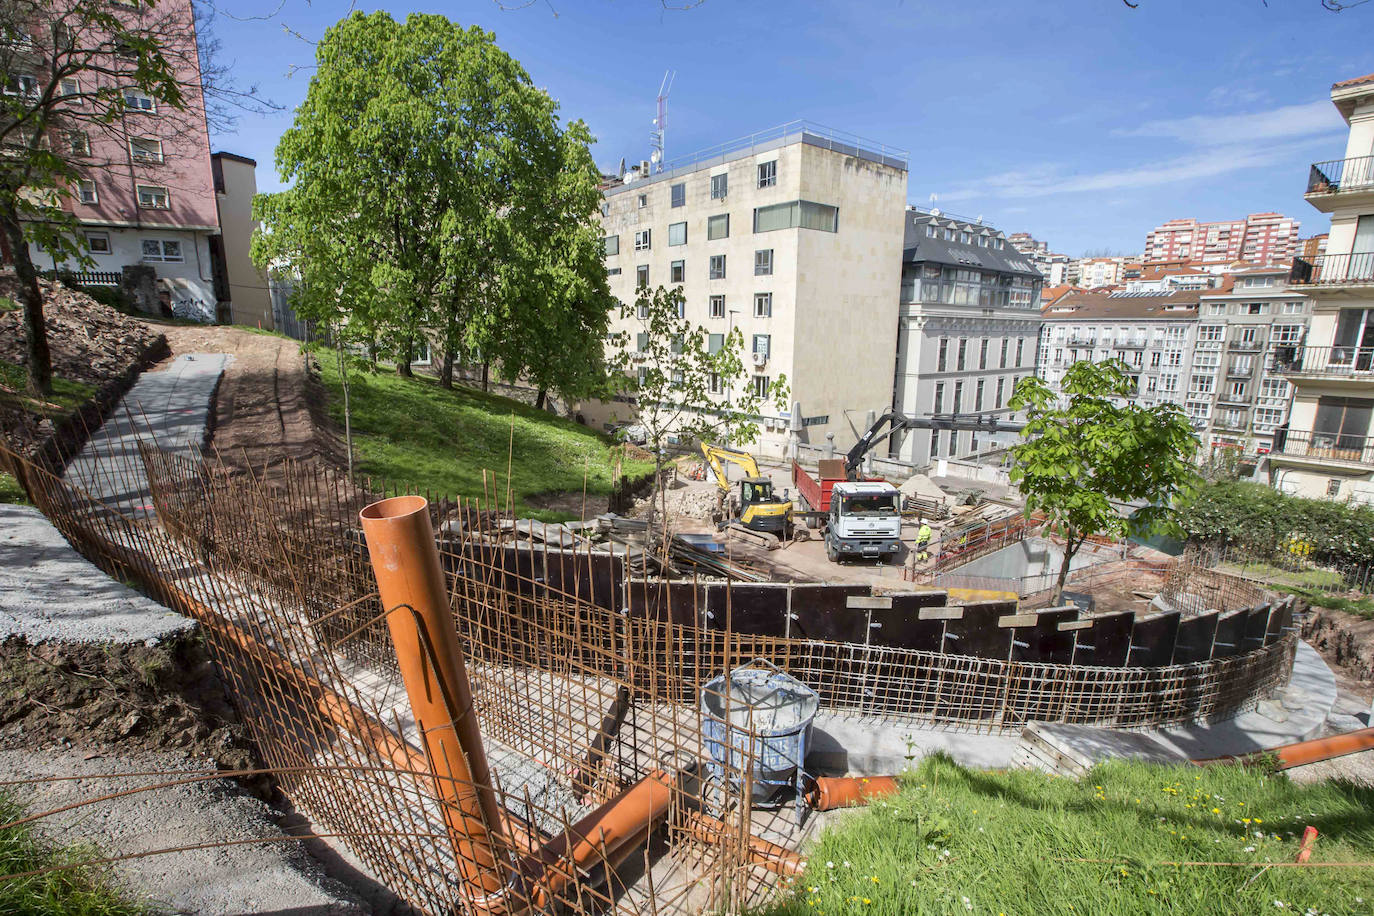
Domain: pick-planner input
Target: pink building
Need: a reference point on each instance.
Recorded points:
(150, 195)
(1260, 238)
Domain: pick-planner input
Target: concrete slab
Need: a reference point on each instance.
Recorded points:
(170, 407)
(872, 746)
(49, 592)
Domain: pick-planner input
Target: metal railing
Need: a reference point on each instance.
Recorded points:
(86, 277)
(1336, 362)
(1341, 175)
(1357, 267)
(1325, 446)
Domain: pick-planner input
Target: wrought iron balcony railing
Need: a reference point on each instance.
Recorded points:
(1334, 362)
(1334, 268)
(1324, 446)
(1341, 175)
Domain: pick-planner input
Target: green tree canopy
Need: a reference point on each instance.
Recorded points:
(1089, 451)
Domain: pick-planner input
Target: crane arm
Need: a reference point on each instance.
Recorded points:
(717, 458)
(899, 421)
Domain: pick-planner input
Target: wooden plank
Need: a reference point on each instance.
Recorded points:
(940, 613)
(862, 602)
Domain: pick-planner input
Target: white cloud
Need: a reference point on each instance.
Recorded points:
(1205, 163)
(1283, 123)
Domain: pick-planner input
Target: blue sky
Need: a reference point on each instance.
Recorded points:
(1080, 121)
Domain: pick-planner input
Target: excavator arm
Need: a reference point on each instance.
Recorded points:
(717, 458)
(899, 421)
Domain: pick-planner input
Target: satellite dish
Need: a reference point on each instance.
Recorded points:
(654, 157)
(622, 166)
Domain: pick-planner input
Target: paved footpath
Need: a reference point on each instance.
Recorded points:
(169, 407)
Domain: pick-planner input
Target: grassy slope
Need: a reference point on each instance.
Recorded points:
(66, 397)
(78, 891)
(414, 432)
(962, 841)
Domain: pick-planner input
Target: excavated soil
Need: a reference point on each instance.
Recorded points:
(1343, 640)
(116, 699)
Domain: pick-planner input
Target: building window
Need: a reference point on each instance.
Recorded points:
(643, 376)
(1256, 308)
(1333, 486)
(963, 354)
(942, 359)
(612, 245)
(717, 267)
(1005, 341)
(1000, 384)
(86, 191)
(1020, 345)
(677, 271)
(642, 276)
(681, 309)
(162, 250)
(930, 230)
(678, 195)
(21, 84)
(642, 310)
(761, 386)
(716, 386)
(797, 213)
(78, 144)
(145, 149)
(768, 174)
(1237, 391)
(1292, 308)
(642, 240)
(763, 305)
(98, 242)
(719, 185)
(718, 227)
(69, 86)
(935, 443)
(642, 342)
(643, 201)
(761, 342)
(153, 197)
(717, 307)
(938, 405)
(677, 234)
(978, 397)
(983, 354)
(138, 100)
(763, 262)
(958, 404)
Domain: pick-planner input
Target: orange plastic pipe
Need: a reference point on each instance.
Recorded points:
(777, 859)
(414, 595)
(849, 791)
(1302, 753)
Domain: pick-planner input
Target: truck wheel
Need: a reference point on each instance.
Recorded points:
(831, 551)
(813, 522)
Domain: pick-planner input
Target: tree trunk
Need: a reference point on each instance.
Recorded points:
(37, 356)
(486, 375)
(407, 354)
(1070, 548)
(540, 398)
(348, 413)
(446, 369)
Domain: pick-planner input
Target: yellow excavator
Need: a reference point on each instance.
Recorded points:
(754, 506)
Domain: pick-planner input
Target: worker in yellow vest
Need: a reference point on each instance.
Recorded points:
(923, 536)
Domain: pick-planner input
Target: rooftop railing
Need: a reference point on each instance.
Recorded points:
(1324, 446)
(1341, 175)
(1329, 269)
(808, 131)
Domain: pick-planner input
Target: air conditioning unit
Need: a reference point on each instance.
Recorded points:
(760, 359)
(644, 168)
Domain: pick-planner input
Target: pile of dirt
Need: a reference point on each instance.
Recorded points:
(1344, 640)
(115, 698)
(685, 499)
(90, 342)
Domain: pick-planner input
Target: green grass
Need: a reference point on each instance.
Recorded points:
(1313, 577)
(961, 841)
(413, 432)
(7, 304)
(77, 892)
(1362, 606)
(66, 396)
(10, 491)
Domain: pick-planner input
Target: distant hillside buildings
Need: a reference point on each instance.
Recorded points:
(1260, 238)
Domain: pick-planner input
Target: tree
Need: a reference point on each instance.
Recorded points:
(68, 68)
(688, 383)
(1086, 453)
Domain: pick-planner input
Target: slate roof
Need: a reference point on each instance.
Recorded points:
(918, 248)
(1093, 306)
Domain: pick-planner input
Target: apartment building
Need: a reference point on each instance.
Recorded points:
(1327, 448)
(1260, 238)
(1249, 331)
(149, 196)
(1093, 273)
(1053, 267)
(1153, 333)
(793, 236)
(970, 320)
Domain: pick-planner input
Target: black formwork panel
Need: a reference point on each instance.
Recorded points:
(823, 612)
(679, 603)
(748, 609)
(900, 625)
(1043, 641)
(1195, 637)
(1275, 630)
(1153, 640)
(977, 632)
(1107, 643)
(1286, 617)
(1256, 624)
(1230, 634)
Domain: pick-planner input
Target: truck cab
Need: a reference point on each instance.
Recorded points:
(865, 520)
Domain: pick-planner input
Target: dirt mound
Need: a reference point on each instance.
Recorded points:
(120, 698)
(1344, 639)
(90, 342)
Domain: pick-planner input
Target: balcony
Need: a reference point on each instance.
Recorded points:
(1340, 183)
(1309, 447)
(1337, 365)
(1246, 345)
(1135, 343)
(1335, 273)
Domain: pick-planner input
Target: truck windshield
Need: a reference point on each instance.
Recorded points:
(870, 504)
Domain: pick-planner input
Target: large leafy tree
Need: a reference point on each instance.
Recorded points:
(449, 191)
(67, 66)
(688, 384)
(1088, 450)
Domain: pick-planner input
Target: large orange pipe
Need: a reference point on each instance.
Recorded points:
(1302, 753)
(829, 792)
(414, 595)
(777, 859)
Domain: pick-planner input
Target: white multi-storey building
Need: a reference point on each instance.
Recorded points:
(1327, 448)
(970, 320)
(793, 236)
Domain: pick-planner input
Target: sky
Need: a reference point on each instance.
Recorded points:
(1083, 122)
